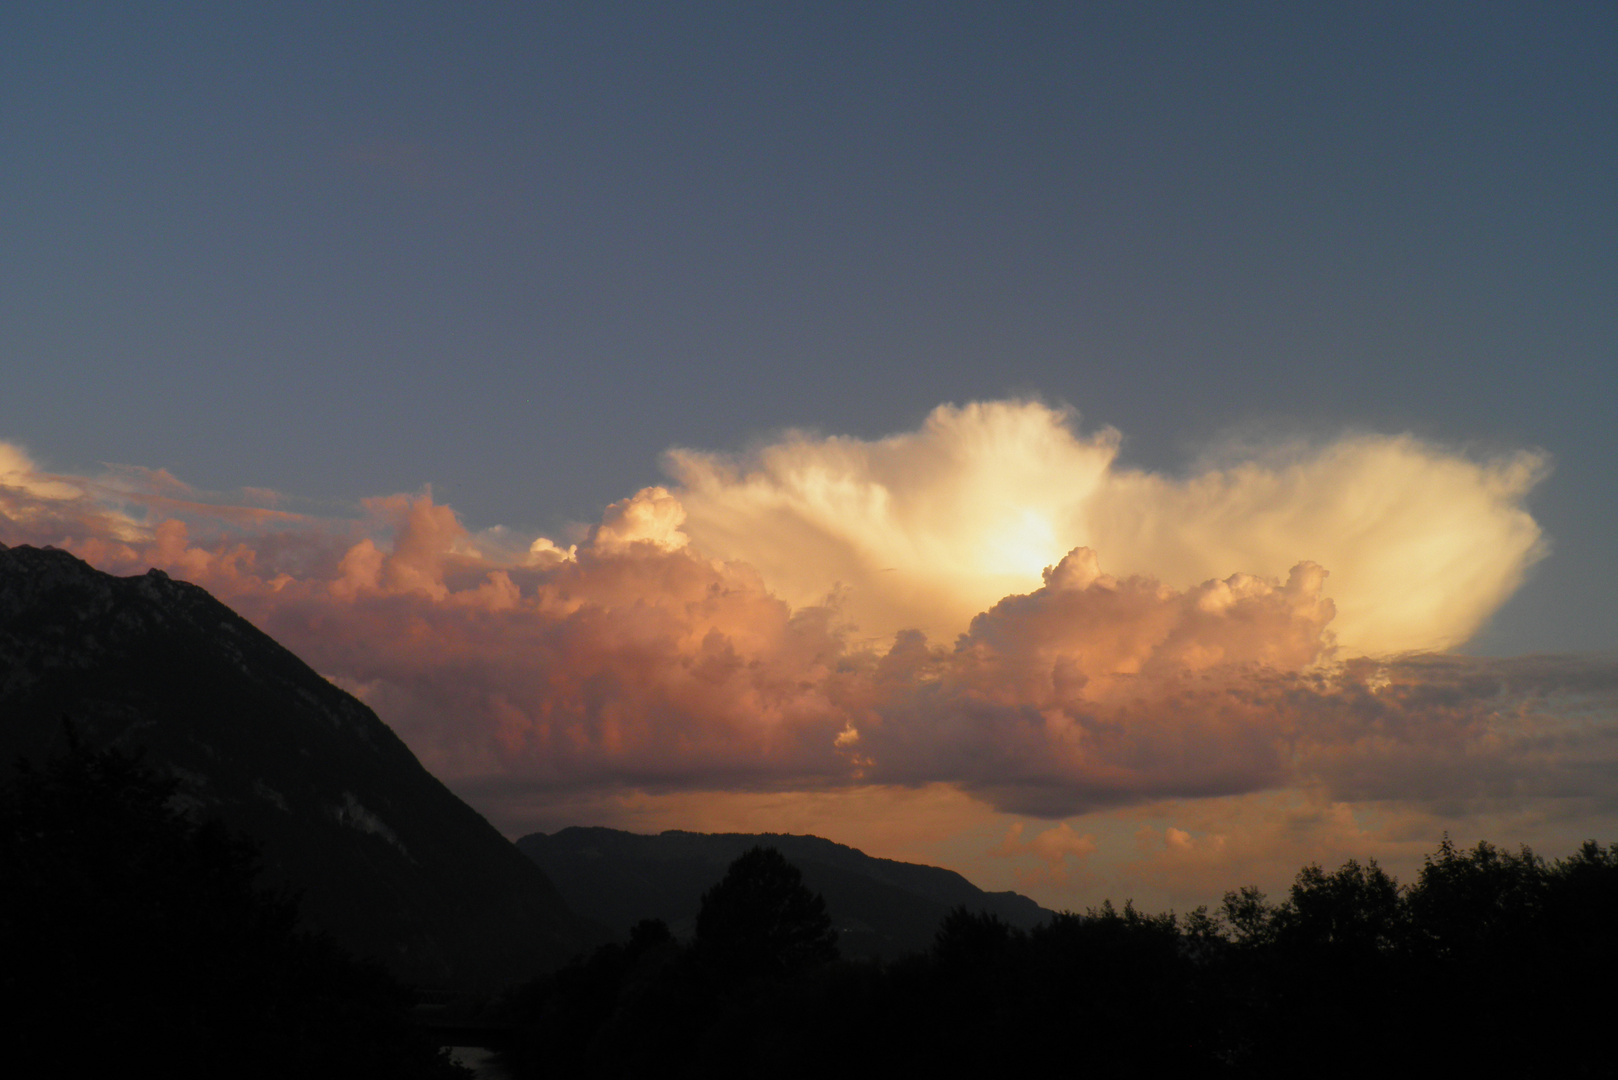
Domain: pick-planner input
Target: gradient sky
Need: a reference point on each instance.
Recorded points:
(329, 253)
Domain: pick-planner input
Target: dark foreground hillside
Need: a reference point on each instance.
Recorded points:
(1490, 964)
(386, 859)
(138, 940)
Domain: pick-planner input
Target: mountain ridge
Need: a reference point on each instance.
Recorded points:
(384, 856)
(882, 908)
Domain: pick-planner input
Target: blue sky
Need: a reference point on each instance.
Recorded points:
(518, 251)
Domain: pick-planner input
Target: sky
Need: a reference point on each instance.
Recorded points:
(1110, 450)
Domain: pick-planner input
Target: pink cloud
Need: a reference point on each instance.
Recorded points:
(637, 662)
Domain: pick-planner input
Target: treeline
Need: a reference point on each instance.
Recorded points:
(1492, 963)
(132, 935)
(135, 939)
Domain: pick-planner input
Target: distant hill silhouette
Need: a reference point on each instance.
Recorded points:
(879, 907)
(387, 860)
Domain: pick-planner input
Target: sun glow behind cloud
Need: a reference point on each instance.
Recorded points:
(928, 528)
(988, 609)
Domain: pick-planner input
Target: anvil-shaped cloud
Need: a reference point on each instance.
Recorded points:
(926, 529)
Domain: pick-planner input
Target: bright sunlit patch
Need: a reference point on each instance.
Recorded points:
(925, 529)
(1024, 549)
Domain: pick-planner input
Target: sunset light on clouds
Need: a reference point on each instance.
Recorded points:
(835, 618)
(1105, 452)
(928, 528)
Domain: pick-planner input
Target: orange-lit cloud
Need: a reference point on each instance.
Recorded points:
(928, 528)
(1055, 641)
(1054, 846)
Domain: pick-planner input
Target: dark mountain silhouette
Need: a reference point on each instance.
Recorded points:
(387, 860)
(879, 907)
(132, 933)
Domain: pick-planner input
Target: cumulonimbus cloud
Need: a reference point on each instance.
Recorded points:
(700, 638)
(925, 529)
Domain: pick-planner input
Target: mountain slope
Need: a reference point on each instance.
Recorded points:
(880, 907)
(386, 858)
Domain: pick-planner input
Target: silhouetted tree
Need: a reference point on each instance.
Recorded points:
(972, 940)
(966, 1001)
(1353, 910)
(737, 1001)
(1334, 946)
(1482, 965)
(1581, 943)
(623, 1010)
(1248, 917)
(761, 920)
(1464, 901)
(1492, 964)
